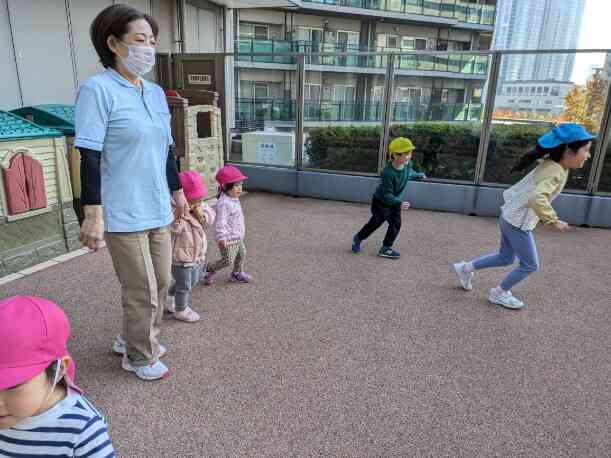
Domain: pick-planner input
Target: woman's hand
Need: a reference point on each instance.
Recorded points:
(92, 230)
(181, 205)
(405, 205)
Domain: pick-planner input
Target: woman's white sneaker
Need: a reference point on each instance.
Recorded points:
(505, 299)
(465, 278)
(149, 372)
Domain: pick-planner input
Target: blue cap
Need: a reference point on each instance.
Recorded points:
(563, 134)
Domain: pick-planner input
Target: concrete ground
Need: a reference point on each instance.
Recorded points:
(332, 354)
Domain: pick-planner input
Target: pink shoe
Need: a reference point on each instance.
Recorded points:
(240, 277)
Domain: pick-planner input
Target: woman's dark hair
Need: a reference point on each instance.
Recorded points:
(114, 21)
(555, 154)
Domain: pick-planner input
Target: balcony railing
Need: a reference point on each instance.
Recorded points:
(320, 111)
(459, 10)
(453, 63)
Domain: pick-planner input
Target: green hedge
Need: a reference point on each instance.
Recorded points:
(445, 150)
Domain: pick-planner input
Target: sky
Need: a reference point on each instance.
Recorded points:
(595, 33)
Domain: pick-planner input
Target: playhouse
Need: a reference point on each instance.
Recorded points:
(37, 218)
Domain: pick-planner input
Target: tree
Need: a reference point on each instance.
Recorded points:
(585, 104)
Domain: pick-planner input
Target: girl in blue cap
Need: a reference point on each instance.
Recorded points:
(565, 147)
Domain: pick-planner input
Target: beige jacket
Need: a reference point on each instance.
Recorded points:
(529, 200)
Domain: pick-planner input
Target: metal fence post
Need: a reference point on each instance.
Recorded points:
(485, 134)
(604, 136)
(300, 108)
(387, 117)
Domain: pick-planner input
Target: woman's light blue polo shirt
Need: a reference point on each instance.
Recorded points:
(131, 128)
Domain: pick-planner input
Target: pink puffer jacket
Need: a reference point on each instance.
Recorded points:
(189, 244)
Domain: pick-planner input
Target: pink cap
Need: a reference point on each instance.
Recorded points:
(193, 185)
(229, 174)
(34, 333)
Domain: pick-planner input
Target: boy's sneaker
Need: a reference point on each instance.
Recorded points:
(465, 278)
(505, 299)
(210, 278)
(118, 347)
(356, 245)
(149, 372)
(240, 277)
(387, 252)
(189, 315)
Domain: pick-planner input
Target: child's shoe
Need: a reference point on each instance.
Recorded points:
(118, 347)
(210, 278)
(387, 252)
(465, 278)
(154, 371)
(505, 299)
(240, 277)
(356, 245)
(170, 304)
(189, 315)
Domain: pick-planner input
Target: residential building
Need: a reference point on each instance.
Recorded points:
(535, 96)
(350, 88)
(538, 24)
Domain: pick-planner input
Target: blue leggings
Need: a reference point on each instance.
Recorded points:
(514, 242)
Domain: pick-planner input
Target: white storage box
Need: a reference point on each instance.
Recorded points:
(274, 148)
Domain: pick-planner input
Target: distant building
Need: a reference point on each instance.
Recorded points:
(538, 24)
(541, 97)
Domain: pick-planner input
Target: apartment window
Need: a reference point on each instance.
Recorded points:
(520, 90)
(546, 90)
(555, 91)
(343, 94)
(256, 31)
(408, 43)
(476, 96)
(392, 41)
(549, 102)
(540, 90)
(378, 94)
(420, 44)
(312, 92)
(261, 90)
(509, 90)
(408, 95)
(525, 101)
(511, 101)
(533, 89)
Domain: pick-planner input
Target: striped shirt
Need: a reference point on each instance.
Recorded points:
(71, 428)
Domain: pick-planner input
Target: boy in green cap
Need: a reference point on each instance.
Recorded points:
(387, 203)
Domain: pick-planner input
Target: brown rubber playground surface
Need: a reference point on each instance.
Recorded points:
(332, 354)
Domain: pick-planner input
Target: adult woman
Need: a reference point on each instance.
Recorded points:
(128, 172)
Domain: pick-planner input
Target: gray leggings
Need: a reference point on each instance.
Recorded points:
(185, 278)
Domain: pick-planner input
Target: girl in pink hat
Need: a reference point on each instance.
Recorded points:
(230, 228)
(38, 397)
(189, 246)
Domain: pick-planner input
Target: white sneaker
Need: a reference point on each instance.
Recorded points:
(118, 347)
(153, 371)
(189, 315)
(464, 277)
(505, 299)
(170, 304)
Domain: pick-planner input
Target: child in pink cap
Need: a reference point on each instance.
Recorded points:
(189, 246)
(230, 228)
(42, 411)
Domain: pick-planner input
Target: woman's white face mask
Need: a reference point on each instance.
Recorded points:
(140, 59)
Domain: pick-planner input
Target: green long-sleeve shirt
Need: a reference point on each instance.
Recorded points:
(391, 189)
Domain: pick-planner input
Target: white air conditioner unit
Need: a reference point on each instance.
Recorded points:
(272, 148)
